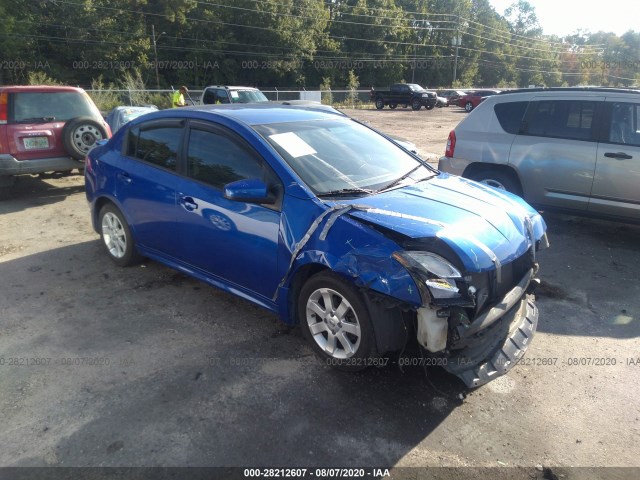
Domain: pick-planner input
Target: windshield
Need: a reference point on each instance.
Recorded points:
(341, 156)
(247, 96)
(416, 88)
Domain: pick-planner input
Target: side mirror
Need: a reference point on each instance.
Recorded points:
(251, 190)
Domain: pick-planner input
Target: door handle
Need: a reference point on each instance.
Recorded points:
(618, 155)
(124, 176)
(188, 203)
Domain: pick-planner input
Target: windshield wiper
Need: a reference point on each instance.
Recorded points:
(397, 181)
(37, 119)
(346, 191)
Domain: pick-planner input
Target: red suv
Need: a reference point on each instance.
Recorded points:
(473, 99)
(46, 128)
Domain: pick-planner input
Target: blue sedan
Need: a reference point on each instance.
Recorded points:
(329, 224)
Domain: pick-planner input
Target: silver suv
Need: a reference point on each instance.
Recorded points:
(570, 149)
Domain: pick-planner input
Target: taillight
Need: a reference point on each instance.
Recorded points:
(451, 144)
(3, 107)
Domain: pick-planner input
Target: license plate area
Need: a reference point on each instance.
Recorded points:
(35, 143)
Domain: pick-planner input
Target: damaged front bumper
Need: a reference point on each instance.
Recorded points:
(498, 347)
(478, 351)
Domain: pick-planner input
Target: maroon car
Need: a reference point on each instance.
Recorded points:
(473, 98)
(45, 129)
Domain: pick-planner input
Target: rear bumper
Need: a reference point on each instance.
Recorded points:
(498, 348)
(455, 166)
(9, 165)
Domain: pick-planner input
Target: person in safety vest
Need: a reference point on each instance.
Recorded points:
(178, 97)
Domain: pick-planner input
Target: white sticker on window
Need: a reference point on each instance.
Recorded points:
(234, 94)
(293, 144)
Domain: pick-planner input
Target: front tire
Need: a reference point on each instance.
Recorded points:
(468, 106)
(116, 236)
(392, 106)
(336, 322)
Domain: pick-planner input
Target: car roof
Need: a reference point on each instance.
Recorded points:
(254, 113)
(230, 87)
(571, 89)
(40, 88)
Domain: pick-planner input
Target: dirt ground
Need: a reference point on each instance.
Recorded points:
(102, 366)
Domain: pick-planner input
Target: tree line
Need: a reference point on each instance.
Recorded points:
(302, 44)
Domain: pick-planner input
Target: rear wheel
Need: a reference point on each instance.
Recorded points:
(379, 103)
(415, 104)
(336, 322)
(116, 236)
(393, 105)
(498, 179)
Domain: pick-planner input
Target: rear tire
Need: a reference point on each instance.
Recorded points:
(415, 105)
(116, 236)
(379, 103)
(498, 179)
(392, 106)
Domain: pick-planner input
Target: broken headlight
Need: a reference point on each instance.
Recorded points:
(433, 271)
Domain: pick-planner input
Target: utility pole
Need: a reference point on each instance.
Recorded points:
(155, 54)
(456, 42)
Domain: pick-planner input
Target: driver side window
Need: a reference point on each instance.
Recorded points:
(217, 159)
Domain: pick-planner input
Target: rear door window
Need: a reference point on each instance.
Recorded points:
(570, 119)
(157, 145)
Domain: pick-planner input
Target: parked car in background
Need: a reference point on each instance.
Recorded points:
(473, 98)
(328, 224)
(571, 149)
(46, 128)
(219, 94)
(119, 116)
(452, 96)
(403, 94)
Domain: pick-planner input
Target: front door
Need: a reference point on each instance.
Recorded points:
(232, 240)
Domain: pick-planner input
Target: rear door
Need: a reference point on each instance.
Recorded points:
(617, 176)
(555, 153)
(146, 182)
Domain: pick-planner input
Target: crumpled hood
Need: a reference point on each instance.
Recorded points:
(481, 224)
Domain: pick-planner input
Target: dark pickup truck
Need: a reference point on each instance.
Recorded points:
(404, 94)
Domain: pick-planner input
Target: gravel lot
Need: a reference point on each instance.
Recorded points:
(102, 366)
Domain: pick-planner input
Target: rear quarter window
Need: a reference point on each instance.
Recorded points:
(510, 115)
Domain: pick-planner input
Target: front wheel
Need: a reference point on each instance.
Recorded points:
(392, 106)
(415, 105)
(116, 236)
(379, 103)
(336, 322)
(468, 106)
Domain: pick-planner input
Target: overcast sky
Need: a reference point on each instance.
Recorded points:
(563, 17)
